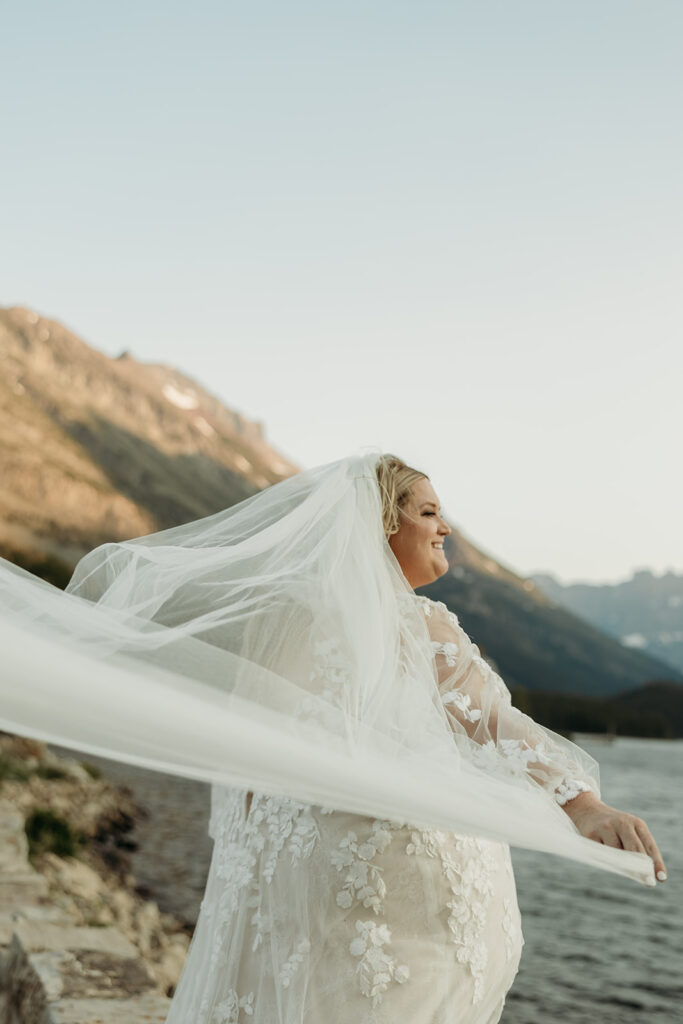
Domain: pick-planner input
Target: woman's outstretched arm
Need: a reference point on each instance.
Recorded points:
(499, 736)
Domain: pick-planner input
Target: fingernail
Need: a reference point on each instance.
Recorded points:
(662, 876)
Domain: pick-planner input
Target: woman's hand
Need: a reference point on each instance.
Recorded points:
(596, 820)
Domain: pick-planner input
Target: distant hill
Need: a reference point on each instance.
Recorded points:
(535, 643)
(94, 449)
(644, 612)
(654, 710)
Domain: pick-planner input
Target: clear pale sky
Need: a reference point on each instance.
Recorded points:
(450, 229)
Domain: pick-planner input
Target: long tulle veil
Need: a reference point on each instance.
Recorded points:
(274, 646)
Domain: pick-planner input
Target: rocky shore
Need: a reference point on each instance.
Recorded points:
(78, 943)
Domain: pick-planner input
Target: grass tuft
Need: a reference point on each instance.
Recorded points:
(47, 832)
(12, 769)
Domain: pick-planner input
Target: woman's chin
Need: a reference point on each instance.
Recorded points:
(438, 567)
(441, 566)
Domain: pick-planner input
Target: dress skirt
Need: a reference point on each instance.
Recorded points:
(313, 916)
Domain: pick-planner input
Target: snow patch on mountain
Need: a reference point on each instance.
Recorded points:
(183, 399)
(634, 640)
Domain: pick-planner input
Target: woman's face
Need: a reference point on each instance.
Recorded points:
(418, 544)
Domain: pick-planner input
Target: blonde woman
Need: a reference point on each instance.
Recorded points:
(368, 770)
(317, 916)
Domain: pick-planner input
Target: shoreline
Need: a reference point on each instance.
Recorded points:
(76, 828)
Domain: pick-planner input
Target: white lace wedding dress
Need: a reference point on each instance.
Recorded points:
(315, 916)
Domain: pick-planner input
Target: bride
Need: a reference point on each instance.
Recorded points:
(368, 770)
(313, 915)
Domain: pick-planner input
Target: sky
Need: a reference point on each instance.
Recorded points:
(451, 230)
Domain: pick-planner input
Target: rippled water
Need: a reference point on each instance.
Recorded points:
(599, 949)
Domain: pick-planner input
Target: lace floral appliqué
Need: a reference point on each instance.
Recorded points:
(568, 789)
(462, 702)
(376, 968)
(449, 651)
(363, 880)
(247, 855)
(469, 867)
(292, 965)
(229, 1009)
(514, 754)
(363, 883)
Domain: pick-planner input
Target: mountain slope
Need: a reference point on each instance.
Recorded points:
(95, 449)
(644, 612)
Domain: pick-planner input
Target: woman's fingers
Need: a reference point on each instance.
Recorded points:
(651, 849)
(628, 833)
(605, 834)
(630, 840)
(634, 835)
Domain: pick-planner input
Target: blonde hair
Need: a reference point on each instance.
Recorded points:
(395, 480)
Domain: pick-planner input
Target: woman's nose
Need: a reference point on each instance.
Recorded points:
(444, 528)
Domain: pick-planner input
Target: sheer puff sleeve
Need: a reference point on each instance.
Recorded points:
(495, 735)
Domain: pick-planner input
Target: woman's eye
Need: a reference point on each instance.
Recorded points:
(429, 513)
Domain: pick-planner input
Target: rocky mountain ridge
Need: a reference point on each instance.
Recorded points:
(96, 449)
(643, 613)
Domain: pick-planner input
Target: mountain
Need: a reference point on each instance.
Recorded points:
(94, 449)
(654, 710)
(535, 643)
(644, 612)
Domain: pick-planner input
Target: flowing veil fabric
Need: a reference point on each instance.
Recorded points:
(276, 647)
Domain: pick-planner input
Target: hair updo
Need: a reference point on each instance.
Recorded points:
(395, 480)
